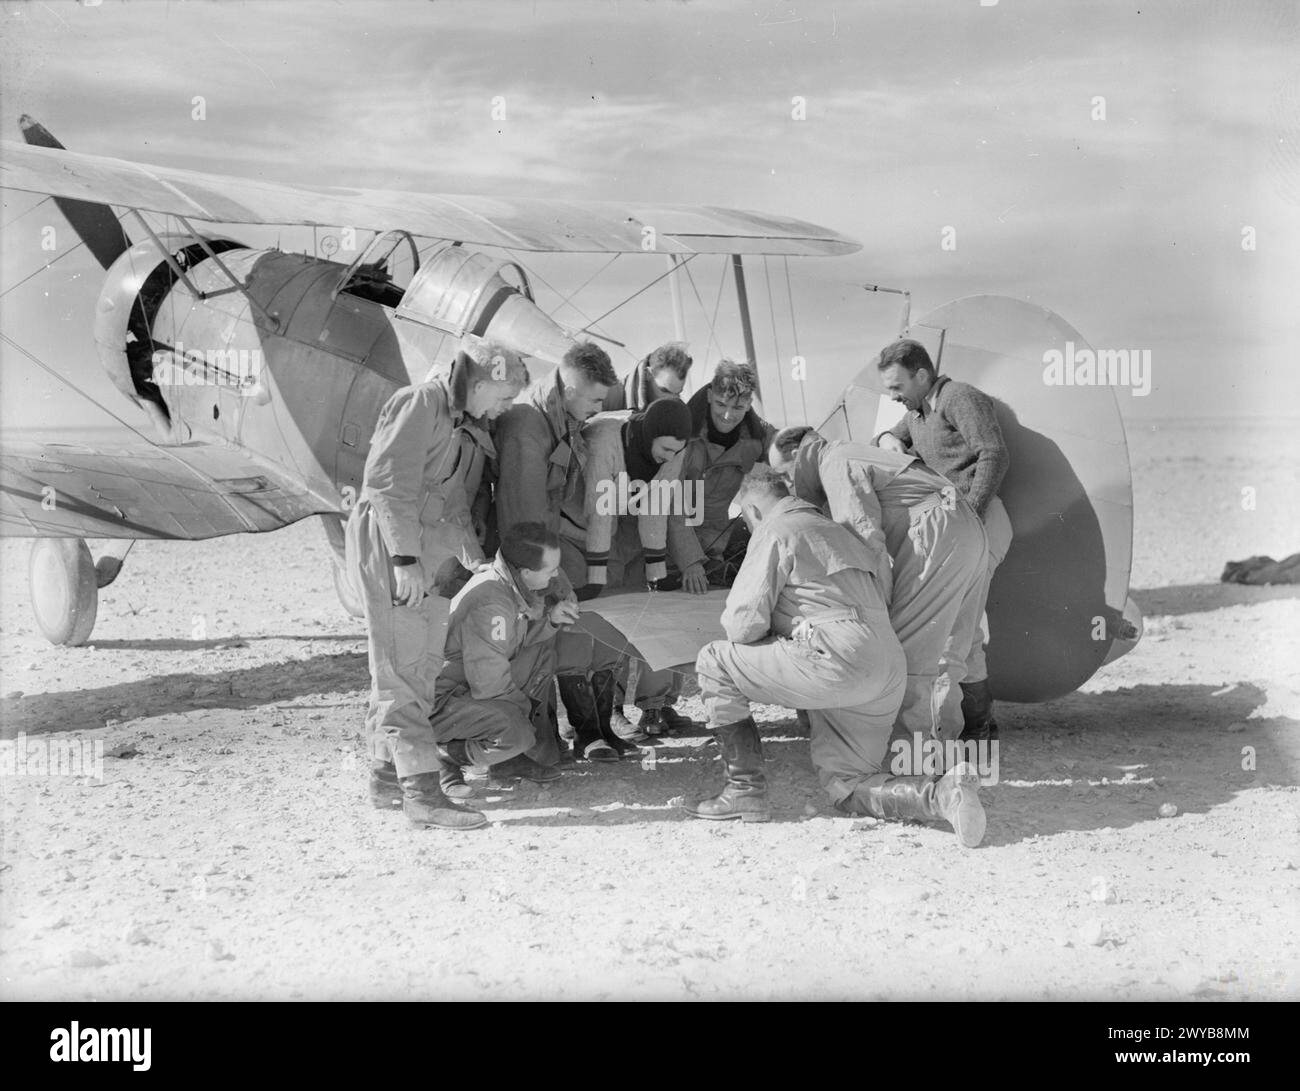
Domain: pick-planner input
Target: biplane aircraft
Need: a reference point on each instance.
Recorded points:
(281, 362)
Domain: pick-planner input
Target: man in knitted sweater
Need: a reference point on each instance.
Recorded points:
(662, 374)
(952, 428)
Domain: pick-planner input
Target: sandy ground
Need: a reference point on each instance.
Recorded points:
(234, 856)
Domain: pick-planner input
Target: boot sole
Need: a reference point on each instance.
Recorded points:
(971, 822)
(744, 816)
(427, 824)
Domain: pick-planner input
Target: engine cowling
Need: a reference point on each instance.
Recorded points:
(134, 288)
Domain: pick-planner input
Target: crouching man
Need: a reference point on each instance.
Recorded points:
(929, 543)
(501, 660)
(807, 627)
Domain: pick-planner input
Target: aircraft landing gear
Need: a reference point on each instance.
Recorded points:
(64, 586)
(64, 581)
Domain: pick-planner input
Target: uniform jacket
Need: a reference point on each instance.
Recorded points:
(868, 490)
(605, 462)
(424, 456)
(721, 469)
(492, 618)
(799, 565)
(961, 438)
(541, 461)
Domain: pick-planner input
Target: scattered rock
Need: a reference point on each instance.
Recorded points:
(1236, 728)
(82, 959)
(1102, 891)
(135, 933)
(1095, 933)
(1168, 810)
(13, 695)
(217, 951)
(123, 750)
(809, 810)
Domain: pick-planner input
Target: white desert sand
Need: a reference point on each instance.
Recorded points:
(234, 855)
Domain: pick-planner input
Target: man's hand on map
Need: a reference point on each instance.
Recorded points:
(564, 613)
(694, 580)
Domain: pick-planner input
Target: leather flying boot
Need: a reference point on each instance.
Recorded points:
(452, 777)
(603, 685)
(521, 767)
(425, 805)
(385, 789)
(977, 712)
(589, 743)
(744, 795)
(957, 799)
(952, 798)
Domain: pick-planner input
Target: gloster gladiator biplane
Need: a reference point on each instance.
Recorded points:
(255, 449)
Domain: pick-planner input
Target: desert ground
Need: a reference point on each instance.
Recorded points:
(229, 852)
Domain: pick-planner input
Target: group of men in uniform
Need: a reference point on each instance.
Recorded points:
(858, 575)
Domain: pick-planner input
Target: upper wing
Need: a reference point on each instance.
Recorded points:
(521, 224)
(140, 491)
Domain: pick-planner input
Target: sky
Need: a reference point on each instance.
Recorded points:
(921, 116)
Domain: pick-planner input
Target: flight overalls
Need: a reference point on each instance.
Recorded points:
(414, 502)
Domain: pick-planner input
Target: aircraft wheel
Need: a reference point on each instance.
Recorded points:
(64, 589)
(347, 595)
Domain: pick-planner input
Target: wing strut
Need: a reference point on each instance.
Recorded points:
(742, 300)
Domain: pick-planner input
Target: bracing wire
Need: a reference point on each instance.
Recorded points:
(699, 299)
(685, 261)
(565, 301)
(794, 330)
(26, 212)
(68, 382)
(776, 347)
(551, 287)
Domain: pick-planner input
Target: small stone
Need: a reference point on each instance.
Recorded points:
(217, 951)
(1168, 810)
(13, 695)
(809, 810)
(1095, 933)
(862, 824)
(122, 750)
(82, 959)
(1237, 728)
(1102, 891)
(135, 933)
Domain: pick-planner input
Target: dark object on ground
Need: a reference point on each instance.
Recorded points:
(1263, 570)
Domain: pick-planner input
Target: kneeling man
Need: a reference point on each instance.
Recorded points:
(807, 627)
(927, 541)
(500, 661)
